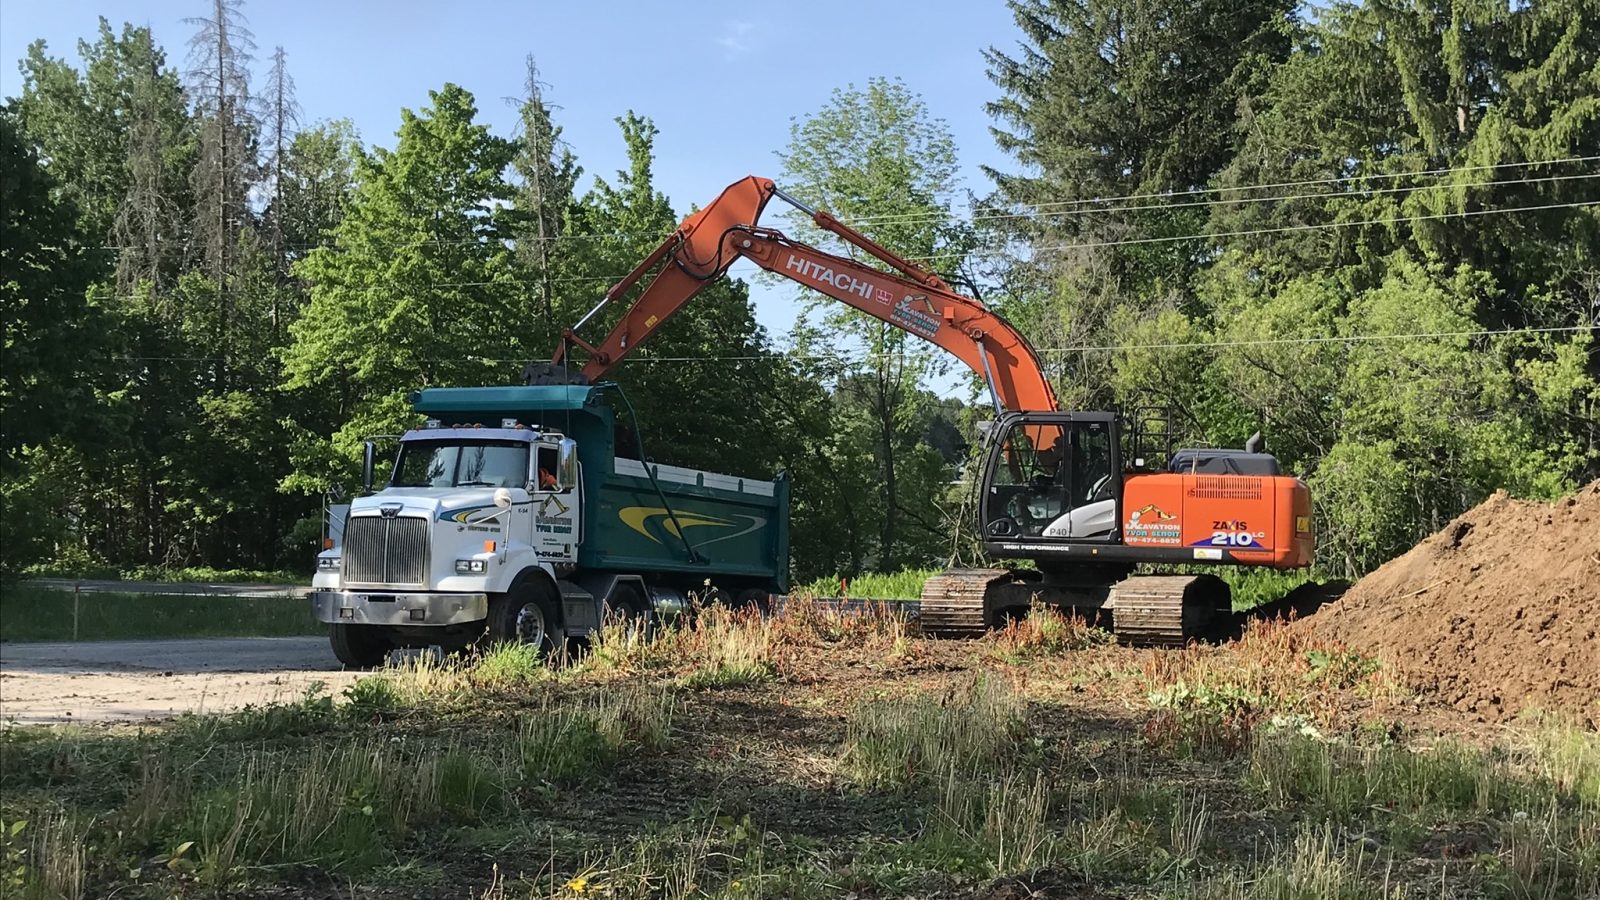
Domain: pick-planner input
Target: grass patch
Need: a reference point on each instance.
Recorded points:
(1538, 803)
(29, 613)
(903, 585)
(1046, 631)
(729, 648)
(924, 741)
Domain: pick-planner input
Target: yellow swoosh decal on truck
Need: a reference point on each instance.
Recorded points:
(638, 517)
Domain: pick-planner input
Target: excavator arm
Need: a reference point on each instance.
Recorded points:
(909, 298)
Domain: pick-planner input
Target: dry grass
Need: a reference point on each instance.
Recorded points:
(869, 761)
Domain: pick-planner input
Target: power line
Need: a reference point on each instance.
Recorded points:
(1248, 232)
(612, 279)
(984, 214)
(1313, 196)
(782, 356)
(1426, 173)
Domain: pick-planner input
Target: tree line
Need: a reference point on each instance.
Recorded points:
(1368, 232)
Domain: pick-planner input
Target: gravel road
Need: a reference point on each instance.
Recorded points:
(104, 681)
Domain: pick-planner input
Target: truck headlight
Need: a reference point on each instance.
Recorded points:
(471, 566)
(327, 564)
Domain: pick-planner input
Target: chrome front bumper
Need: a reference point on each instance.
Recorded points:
(389, 608)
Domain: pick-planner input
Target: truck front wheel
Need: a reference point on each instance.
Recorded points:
(359, 646)
(525, 614)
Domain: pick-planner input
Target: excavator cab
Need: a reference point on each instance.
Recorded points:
(1052, 476)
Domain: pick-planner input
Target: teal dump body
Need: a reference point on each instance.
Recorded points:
(684, 525)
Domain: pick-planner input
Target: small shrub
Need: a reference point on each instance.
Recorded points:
(375, 696)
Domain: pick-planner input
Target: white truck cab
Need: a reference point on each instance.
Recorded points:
(465, 513)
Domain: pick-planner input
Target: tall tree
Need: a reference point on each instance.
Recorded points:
(281, 119)
(548, 174)
(876, 156)
(1110, 98)
(693, 382)
(51, 337)
(416, 289)
(220, 53)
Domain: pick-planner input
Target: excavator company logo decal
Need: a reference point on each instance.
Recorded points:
(842, 281)
(915, 314)
(552, 517)
(650, 521)
(1150, 524)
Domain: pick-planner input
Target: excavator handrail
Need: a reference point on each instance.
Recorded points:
(910, 298)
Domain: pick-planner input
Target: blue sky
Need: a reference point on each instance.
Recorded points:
(721, 81)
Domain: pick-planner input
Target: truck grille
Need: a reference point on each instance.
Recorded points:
(379, 550)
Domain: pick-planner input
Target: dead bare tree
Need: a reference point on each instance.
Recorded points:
(227, 168)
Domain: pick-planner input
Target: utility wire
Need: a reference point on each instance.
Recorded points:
(995, 213)
(778, 356)
(1425, 173)
(612, 279)
(1247, 232)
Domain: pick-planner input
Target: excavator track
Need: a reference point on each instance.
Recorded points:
(953, 602)
(1166, 610)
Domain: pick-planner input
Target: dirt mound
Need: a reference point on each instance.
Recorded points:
(1496, 613)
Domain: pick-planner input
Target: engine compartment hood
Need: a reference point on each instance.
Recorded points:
(434, 504)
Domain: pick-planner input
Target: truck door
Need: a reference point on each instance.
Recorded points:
(555, 503)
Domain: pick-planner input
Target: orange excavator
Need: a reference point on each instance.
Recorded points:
(1088, 497)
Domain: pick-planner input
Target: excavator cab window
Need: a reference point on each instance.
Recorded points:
(1044, 472)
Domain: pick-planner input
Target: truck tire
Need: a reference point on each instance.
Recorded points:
(359, 646)
(754, 598)
(524, 614)
(636, 613)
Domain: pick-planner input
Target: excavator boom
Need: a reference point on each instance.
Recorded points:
(910, 298)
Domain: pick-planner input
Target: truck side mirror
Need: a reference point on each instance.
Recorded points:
(369, 456)
(567, 464)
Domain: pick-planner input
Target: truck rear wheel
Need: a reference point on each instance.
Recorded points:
(526, 614)
(359, 646)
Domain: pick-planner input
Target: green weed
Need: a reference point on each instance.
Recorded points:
(509, 666)
(902, 585)
(923, 741)
(1189, 718)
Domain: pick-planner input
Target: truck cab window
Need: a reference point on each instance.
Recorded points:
(443, 464)
(549, 474)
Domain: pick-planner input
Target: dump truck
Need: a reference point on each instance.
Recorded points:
(510, 516)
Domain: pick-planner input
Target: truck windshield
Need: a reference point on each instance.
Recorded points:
(461, 464)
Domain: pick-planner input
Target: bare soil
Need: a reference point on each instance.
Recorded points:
(109, 681)
(1498, 613)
